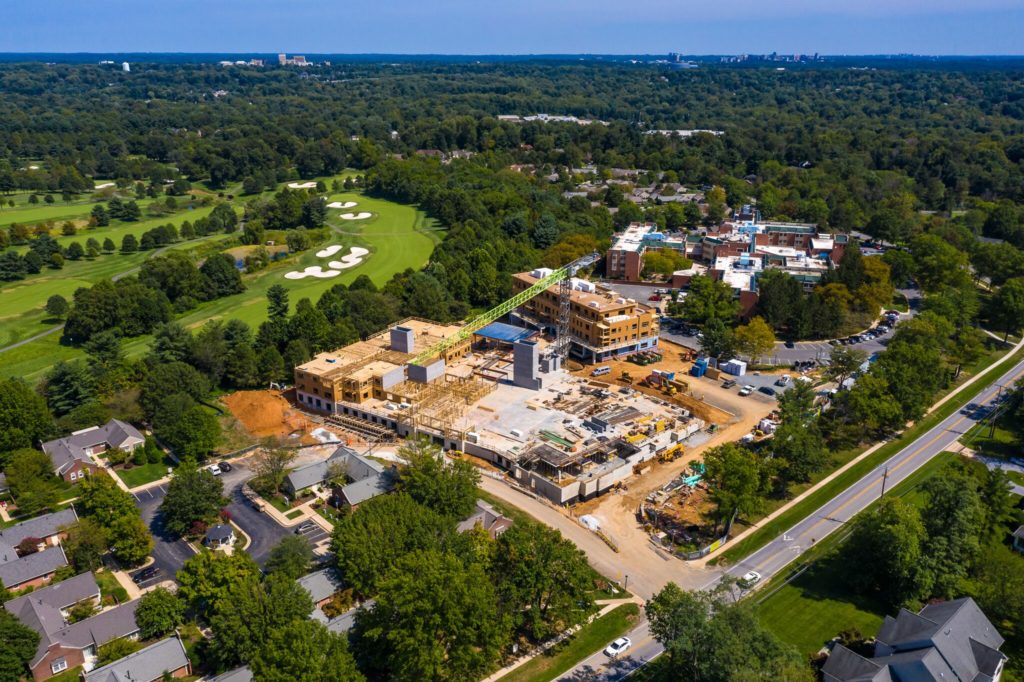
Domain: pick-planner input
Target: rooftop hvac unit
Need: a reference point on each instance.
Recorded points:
(472, 437)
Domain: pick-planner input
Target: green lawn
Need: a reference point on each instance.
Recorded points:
(147, 473)
(998, 442)
(772, 529)
(398, 236)
(564, 655)
(816, 606)
(293, 514)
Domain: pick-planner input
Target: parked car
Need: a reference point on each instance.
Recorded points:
(305, 527)
(214, 469)
(789, 344)
(749, 579)
(617, 647)
(146, 574)
(783, 380)
(654, 297)
(225, 466)
(747, 390)
(767, 390)
(728, 383)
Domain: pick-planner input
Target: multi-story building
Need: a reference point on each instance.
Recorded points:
(625, 258)
(376, 368)
(602, 324)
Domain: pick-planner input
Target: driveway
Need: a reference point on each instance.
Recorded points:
(170, 553)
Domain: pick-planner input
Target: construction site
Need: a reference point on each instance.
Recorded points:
(516, 395)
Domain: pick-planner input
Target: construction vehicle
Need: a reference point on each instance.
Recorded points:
(626, 378)
(671, 453)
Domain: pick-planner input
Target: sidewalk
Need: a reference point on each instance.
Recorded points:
(799, 498)
(607, 605)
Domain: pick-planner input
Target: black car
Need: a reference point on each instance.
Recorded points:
(225, 466)
(790, 344)
(146, 574)
(767, 390)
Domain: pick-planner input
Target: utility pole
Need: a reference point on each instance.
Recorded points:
(885, 477)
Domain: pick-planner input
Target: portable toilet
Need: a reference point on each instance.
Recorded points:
(700, 366)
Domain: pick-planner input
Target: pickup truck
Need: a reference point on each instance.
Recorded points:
(747, 390)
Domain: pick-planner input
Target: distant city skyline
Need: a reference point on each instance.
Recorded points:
(927, 27)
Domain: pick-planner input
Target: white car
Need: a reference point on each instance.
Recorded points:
(749, 579)
(214, 469)
(618, 646)
(747, 390)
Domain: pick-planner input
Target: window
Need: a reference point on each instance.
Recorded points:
(59, 665)
(74, 475)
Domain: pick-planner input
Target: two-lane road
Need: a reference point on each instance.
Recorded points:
(771, 559)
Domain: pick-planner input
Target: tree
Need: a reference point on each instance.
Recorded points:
(305, 651)
(131, 541)
(109, 246)
(270, 365)
(449, 488)
(718, 340)
(999, 583)
(208, 577)
(1008, 307)
(102, 500)
(937, 262)
(30, 477)
(270, 465)
(68, 385)
(85, 545)
(368, 542)
(221, 277)
(709, 299)
(193, 495)
(843, 362)
(755, 338)
(100, 217)
(885, 552)
(57, 306)
(954, 519)
(250, 610)
(129, 244)
(291, 557)
(117, 649)
(277, 302)
(192, 434)
(542, 579)
(159, 611)
(18, 644)
(872, 407)
(24, 417)
(708, 638)
(435, 619)
(735, 476)
(779, 297)
(75, 251)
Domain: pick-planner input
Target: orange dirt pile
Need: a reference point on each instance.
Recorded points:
(265, 413)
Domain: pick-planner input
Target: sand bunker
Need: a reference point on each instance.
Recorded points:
(353, 258)
(355, 216)
(104, 185)
(312, 271)
(302, 185)
(329, 251)
(342, 204)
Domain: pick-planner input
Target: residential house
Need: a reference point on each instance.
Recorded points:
(366, 478)
(488, 518)
(1018, 539)
(321, 585)
(64, 645)
(145, 665)
(947, 642)
(221, 535)
(48, 529)
(31, 570)
(243, 674)
(73, 456)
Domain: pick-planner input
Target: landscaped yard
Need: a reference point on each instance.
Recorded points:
(147, 473)
(564, 655)
(294, 514)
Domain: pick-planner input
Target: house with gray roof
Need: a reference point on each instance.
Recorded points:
(48, 529)
(72, 456)
(243, 674)
(366, 477)
(487, 518)
(145, 665)
(64, 645)
(949, 642)
(31, 570)
(321, 585)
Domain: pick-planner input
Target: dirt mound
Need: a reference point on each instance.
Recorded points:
(265, 413)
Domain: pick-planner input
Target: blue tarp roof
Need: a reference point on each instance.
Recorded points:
(499, 331)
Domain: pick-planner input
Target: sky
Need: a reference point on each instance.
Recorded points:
(944, 27)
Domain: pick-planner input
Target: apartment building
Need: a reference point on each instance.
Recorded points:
(625, 258)
(602, 323)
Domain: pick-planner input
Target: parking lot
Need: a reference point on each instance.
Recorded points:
(169, 553)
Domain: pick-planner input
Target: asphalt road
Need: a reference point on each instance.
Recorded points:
(774, 557)
(170, 553)
(837, 512)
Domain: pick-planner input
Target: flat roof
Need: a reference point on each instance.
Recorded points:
(508, 333)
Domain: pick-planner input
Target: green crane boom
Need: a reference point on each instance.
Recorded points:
(503, 308)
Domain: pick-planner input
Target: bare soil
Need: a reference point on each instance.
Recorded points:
(267, 414)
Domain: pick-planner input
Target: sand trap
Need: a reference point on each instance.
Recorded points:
(353, 258)
(355, 216)
(302, 185)
(312, 271)
(104, 185)
(342, 204)
(329, 251)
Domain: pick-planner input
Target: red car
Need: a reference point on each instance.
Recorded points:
(654, 297)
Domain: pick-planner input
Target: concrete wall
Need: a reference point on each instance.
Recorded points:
(403, 340)
(526, 358)
(393, 378)
(428, 373)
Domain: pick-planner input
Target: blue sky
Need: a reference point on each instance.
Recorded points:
(515, 26)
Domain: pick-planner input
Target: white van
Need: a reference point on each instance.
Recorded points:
(601, 371)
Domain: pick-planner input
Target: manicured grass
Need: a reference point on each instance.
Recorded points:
(147, 473)
(1001, 443)
(786, 520)
(278, 503)
(564, 655)
(111, 591)
(293, 514)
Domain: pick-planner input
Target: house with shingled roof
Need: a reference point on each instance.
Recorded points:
(146, 665)
(73, 456)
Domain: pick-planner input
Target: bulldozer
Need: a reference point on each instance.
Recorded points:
(626, 378)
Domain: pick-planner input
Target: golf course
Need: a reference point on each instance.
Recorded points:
(395, 237)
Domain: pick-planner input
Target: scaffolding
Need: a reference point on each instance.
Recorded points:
(439, 405)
